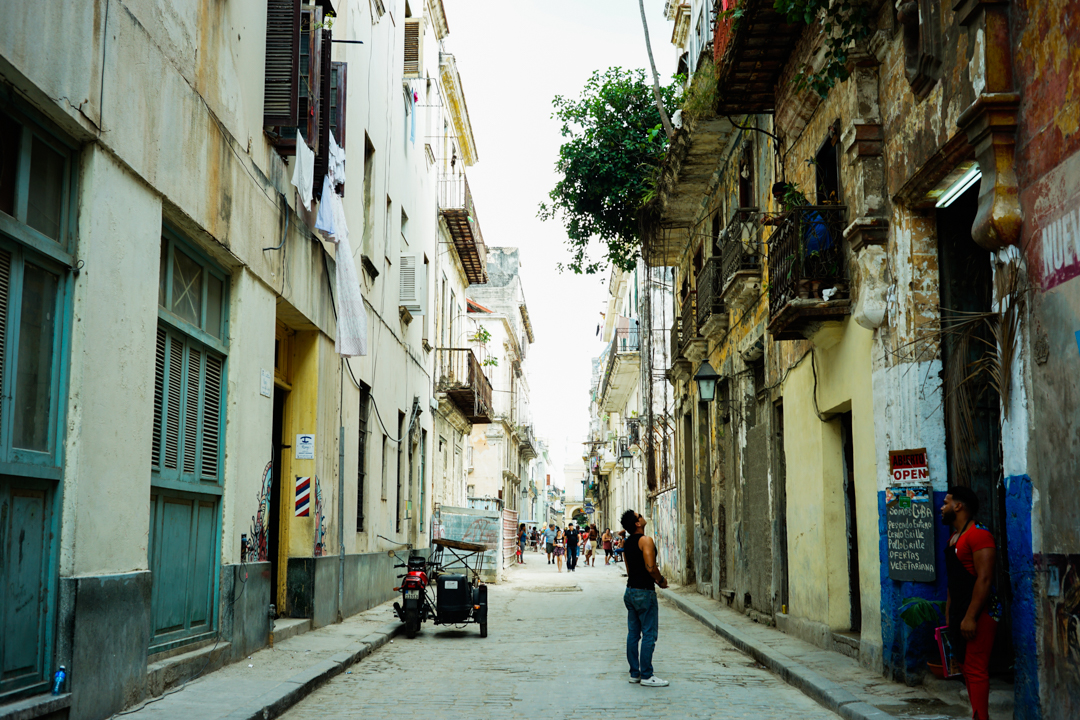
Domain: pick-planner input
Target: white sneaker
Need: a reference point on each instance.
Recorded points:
(634, 680)
(653, 681)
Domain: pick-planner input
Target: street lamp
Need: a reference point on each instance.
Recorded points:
(706, 379)
(626, 459)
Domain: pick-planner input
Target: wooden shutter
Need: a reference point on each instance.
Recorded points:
(414, 58)
(211, 437)
(337, 121)
(191, 410)
(172, 404)
(159, 395)
(407, 272)
(413, 284)
(322, 157)
(281, 76)
(5, 285)
(311, 83)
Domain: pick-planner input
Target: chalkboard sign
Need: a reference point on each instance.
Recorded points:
(910, 521)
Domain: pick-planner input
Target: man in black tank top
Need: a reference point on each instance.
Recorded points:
(642, 619)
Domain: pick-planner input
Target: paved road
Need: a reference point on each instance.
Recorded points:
(555, 649)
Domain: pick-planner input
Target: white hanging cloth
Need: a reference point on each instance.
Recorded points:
(303, 176)
(352, 321)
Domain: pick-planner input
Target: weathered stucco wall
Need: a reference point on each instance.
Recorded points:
(111, 401)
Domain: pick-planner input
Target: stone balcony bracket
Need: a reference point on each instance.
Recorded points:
(990, 125)
(863, 138)
(866, 231)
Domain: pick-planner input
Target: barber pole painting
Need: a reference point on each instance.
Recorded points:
(303, 496)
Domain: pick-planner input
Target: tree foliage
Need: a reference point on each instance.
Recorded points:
(846, 24)
(609, 162)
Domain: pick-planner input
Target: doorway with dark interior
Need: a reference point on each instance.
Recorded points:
(972, 403)
(273, 530)
(852, 525)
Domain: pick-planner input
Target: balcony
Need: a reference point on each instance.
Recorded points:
(742, 259)
(691, 343)
(750, 54)
(712, 315)
(459, 375)
(527, 442)
(808, 280)
(457, 208)
(622, 370)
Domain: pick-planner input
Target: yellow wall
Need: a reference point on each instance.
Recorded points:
(817, 545)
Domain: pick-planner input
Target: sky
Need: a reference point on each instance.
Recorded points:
(514, 57)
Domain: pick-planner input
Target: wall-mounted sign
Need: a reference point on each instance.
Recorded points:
(908, 467)
(266, 384)
(303, 497)
(305, 447)
(909, 518)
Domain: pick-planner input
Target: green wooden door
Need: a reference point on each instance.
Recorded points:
(183, 560)
(24, 583)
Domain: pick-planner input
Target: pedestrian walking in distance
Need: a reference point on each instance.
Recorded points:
(972, 607)
(560, 548)
(607, 539)
(572, 536)
(642, 611)
(523, 538)
(549, 542)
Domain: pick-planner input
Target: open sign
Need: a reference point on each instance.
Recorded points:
(909, 466)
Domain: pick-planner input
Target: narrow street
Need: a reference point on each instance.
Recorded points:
(555, 650)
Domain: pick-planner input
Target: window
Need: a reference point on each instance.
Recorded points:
(294, 87)
(189, 374)
(413, 290)
(414, 47)
(369, 199)
(36, 177)
(361, 461)
(746, 177)
(827, 171)
(385, 463)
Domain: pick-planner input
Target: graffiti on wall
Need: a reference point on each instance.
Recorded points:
(258, 549)
(320, 520)
(1061, 617)
(666, 529)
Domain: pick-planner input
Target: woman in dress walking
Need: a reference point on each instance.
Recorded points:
(606, 539)
(560, 548)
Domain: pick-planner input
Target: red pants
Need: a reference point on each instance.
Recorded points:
(976, 666)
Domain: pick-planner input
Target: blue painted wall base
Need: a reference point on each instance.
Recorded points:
(1018, 498)
(904, 649)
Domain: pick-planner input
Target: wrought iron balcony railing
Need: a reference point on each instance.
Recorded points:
(806, 257)
(626, 342)
(676, 340)
(688, 327)
(710, 287)
(460, 375)
(456, 205)
(740, 246)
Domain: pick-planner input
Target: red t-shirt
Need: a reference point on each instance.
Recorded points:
(974, 539)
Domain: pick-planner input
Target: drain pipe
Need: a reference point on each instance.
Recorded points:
(341, 524)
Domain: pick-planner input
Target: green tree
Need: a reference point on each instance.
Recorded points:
(609, 163)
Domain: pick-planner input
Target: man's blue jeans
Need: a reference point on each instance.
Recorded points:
(642, 622)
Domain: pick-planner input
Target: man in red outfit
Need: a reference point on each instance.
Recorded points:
(972, 608)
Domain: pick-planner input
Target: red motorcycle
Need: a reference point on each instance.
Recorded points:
(413, 607)
(459, 596)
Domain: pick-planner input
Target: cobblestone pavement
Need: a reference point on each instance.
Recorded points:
(555, 649)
